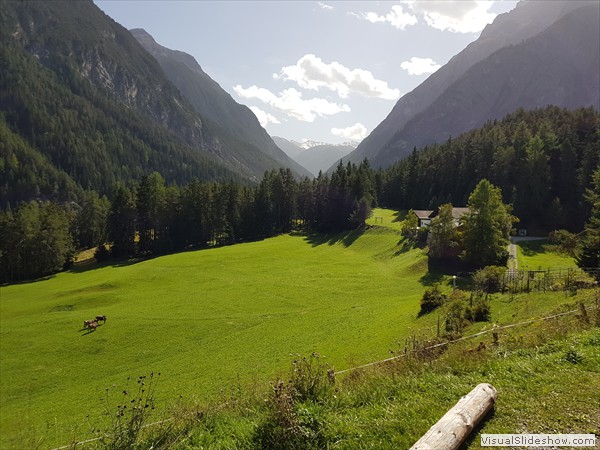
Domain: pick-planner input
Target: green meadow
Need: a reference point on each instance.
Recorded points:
(206, 320)
(536, 255)
(211, 321)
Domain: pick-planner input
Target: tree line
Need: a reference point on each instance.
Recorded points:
(542, 161)
(150, 218)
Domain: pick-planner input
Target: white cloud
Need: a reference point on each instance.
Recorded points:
(460, 16)
(290, 102)
(355, 132)
(396, 17)
(263, 117)
(419, 66)
(325, 6)
(310, 72)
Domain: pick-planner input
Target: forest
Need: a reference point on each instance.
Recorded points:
(542, 161)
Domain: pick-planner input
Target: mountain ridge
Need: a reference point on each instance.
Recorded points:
(525, 21)
(512, 81)
(213, 103)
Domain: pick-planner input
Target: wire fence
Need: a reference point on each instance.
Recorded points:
(568, 279)
(415, 350)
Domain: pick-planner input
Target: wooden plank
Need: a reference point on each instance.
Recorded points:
(454, 427)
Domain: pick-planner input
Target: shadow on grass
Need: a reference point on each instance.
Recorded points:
(532, 248)
(405, 245)
(88, 330)
(475, 435)
(448, 267)
(93, 265)
(399, 216)
(431, 278)
(346, 238)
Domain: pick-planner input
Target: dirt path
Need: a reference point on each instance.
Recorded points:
(513, 264)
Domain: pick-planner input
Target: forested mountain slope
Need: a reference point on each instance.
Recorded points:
(83, 99)
(559, 66)
(527, 20)
(543, 161)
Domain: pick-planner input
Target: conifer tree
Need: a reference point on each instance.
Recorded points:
(589, 253)
(487, 226)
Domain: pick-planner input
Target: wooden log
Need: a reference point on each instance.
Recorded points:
(452, 429)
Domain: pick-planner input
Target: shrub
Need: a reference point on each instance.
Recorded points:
(130, 414)
(490, 279)
(573, 357)
(432, 298)
(565, 241)
(422, 234)
(293, 421)
(312, 378)
(102, 254)
(479, 310)
(455, 317)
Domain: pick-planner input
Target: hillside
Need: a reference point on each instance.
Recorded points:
(405, 124)
(203, 319)
(321, 157)
(290, 148)
(542, 160)
(89, 106)
(210, 323)
(317, 157)
(254, 148)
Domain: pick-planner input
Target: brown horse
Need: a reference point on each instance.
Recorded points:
(93, 326)
(87, 323)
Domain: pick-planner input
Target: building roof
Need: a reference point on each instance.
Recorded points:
(422, 213)
(457, 213)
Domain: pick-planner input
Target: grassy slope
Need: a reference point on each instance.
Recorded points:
(202, 319)
(534, 255)
(547, 375)
(209, 320)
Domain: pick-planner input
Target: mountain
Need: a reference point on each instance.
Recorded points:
(491, 93)
(254, 147)
(83, 105)
(291, 148)
(314, 156)
(320, 157)
(88, 106)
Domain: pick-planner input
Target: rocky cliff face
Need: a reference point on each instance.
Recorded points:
(78, 37)
(105, 103)
(527, 20)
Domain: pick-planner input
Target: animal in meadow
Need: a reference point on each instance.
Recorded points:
(93, 326)
(101, 318)
(87, 323)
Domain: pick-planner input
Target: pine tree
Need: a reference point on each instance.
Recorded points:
(487, 226)
(589, 253)
(122, 222)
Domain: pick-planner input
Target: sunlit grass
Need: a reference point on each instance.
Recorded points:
(534, 255)
(209, 320)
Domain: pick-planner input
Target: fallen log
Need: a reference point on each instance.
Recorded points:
(454, 427)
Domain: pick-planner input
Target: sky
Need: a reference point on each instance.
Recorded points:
(326, 71)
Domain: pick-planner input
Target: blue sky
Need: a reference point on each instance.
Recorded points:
(323, 71)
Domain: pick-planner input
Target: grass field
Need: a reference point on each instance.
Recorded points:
(208, 320)
(536, 255)
(205, 319)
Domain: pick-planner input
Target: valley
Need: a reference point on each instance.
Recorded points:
(211, 320)
(174, 274)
